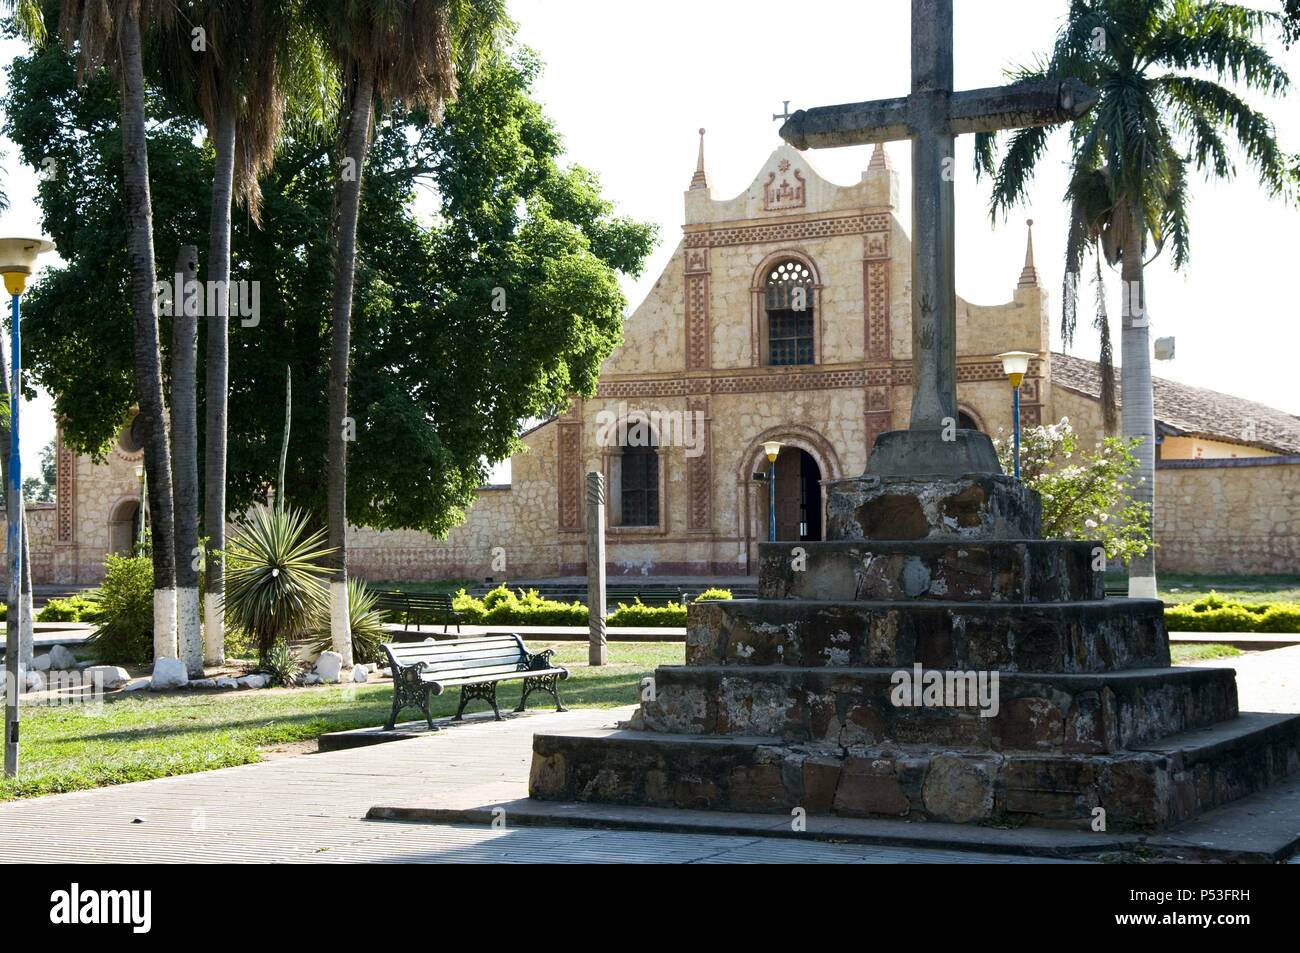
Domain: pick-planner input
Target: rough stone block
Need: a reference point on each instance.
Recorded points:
(869, 786)
(959, 789)
(964, 508)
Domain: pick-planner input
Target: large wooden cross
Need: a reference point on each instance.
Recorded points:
(931, 117)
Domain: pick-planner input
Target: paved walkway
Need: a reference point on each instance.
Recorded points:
(311, 808)
(1266, 681)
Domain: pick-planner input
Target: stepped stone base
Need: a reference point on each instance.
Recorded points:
(1066, 714)
(935, 660)
(1150, 788)
(966, 571)
(1065, 637)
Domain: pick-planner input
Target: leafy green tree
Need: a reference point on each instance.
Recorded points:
(451, 212)
(1160, 113)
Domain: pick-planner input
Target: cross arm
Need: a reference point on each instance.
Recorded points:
(848, 124)
(1036, 103)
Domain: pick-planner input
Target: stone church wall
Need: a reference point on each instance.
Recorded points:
(1228, 516)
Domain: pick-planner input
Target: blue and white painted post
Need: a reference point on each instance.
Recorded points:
(1015, 364)
(1015, 425)
(17, 257)
(773, 449)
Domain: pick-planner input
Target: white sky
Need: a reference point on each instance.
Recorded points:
(629, 84)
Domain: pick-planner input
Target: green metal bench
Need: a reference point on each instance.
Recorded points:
(476, 665)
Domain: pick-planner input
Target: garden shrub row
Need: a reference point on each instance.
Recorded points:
(1213, 613)
(504, 606)
(78, 608)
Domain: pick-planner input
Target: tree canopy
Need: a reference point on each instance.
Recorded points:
(487, 288)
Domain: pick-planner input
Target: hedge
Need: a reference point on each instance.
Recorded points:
(1213, 613)
(503, 606)
(72, 609)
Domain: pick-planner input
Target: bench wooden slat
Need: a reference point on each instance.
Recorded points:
(443, 684)
(449, 645)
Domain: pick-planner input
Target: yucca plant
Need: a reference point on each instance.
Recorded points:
(366, 621)
(275, 580)
(282, 665)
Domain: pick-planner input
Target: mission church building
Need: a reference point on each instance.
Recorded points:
(783, 315)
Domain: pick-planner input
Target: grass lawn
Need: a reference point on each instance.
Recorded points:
(1178, 588)
(1202, 651)
(140, 735)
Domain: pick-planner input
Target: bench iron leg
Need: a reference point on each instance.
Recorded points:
(487, 693)
(407, 694)
(545, 683)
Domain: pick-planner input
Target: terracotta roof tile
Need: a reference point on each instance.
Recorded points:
(1183, 410)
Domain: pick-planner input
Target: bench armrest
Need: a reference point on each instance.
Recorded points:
(409, 673)
(538, 660)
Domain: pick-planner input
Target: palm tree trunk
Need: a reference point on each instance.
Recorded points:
(185, 463)
(347, 210)
(216, 388)
(1137, 400)
(147, 358)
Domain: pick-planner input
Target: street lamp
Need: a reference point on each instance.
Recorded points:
(1015, 364)
(17, 260)
(773, 449)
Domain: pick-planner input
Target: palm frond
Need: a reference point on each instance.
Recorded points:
(1204, 110)
(1222, 38)
(28, 18)
(1024, 148)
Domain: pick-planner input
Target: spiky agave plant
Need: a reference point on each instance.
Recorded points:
(366, 621)
(275, 577)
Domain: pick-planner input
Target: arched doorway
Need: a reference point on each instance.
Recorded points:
(124, 527)
(798, 497)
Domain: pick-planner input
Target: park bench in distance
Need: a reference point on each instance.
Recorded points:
(476, 665)
(436, 608)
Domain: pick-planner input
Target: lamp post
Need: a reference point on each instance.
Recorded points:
(17, 260)
(1015, 364)
(773, 449)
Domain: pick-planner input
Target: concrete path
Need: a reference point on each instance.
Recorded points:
(1266, 681)
(310, 809)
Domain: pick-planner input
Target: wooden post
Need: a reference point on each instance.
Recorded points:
(597, 654)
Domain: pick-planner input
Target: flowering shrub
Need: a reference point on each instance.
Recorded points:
(1085, 493)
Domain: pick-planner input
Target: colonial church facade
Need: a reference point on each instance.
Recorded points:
(783, 315)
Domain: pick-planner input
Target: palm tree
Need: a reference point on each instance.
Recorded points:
(258, 62)
(185, 468)
(399, 51)
(108, 32)
(1157, 117)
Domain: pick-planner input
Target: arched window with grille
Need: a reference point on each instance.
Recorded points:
(789, 303)
(639, 485)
